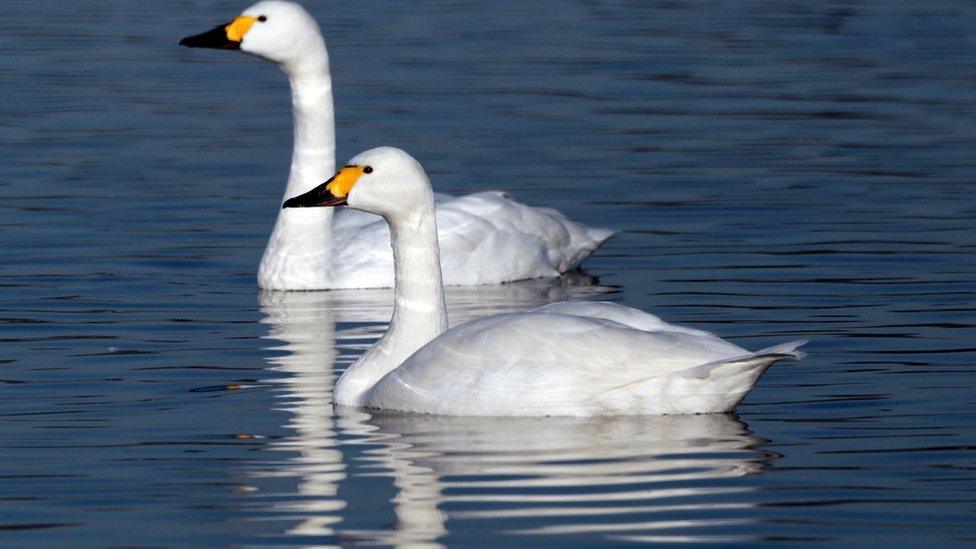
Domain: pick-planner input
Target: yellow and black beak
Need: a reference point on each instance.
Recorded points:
(331, 193)
(222, 37)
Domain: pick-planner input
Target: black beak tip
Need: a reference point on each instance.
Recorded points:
(318, 197)
(215, 39)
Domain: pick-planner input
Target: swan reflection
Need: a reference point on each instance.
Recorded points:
(463, 302)
(304, 323)
(627, 478)
(636, 478)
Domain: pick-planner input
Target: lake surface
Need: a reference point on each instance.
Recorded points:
(777, 170)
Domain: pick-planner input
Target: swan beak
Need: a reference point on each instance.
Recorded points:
(331, 193)
(222, 37)
(319, 196)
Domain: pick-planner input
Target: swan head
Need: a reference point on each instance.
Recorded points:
(282, 32)
(385, 181)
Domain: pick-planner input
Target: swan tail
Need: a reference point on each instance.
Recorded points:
(583, 242)
(715, 387)
(719, 386)
(759, 360)
(600, 235)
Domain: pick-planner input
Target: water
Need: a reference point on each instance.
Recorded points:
(777, 170)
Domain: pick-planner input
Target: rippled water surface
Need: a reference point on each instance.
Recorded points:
(777, 170)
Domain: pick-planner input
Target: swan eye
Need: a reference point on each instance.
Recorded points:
(368, 169)
(262, 18)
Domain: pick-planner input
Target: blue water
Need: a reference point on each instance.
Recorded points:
(777, 170)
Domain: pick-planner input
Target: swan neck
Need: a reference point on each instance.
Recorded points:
(299, 250)
(313, 152)
(419, 286)
(419, 312)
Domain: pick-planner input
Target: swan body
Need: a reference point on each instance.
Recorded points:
(567, 359)
(570, 359)
(486, 238)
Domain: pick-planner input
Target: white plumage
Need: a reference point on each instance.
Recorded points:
(570, 358)
(486, 238)
(574, 359)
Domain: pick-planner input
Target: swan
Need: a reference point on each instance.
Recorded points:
(567, 359)
(486, 238)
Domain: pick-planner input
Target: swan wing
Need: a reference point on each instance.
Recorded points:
(550, 363)
(512, 240)
(484, 238)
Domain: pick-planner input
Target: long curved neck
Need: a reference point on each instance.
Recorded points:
(419, 311)
(418, 303)
(299, 251)
(313, 153)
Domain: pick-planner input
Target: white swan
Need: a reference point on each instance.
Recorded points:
(569, 358)
(485, 238)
